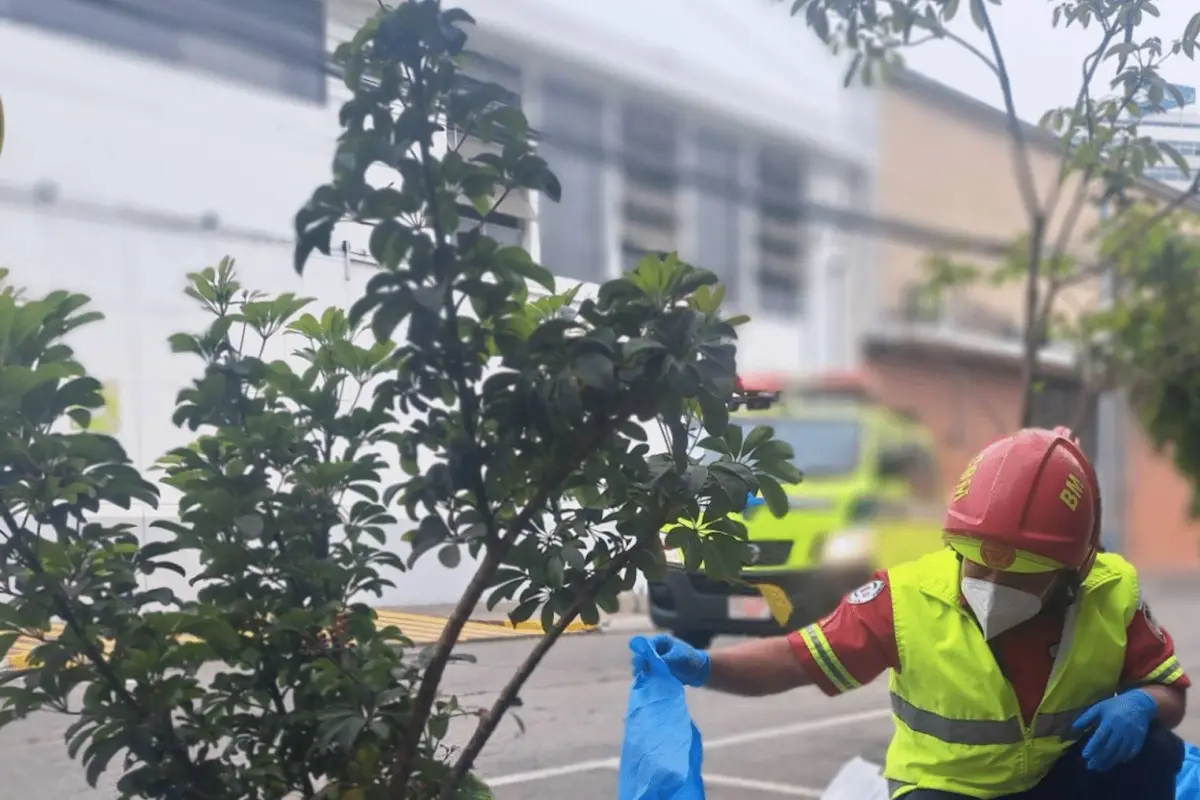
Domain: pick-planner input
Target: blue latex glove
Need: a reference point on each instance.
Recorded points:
(662, 755)
(1120, 725)
(689, 665)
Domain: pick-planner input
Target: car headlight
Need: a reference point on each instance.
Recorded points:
(848, 547)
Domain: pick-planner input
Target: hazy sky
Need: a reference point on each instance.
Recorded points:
(1044, 62)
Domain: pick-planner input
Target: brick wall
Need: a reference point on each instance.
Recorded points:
(967, 400)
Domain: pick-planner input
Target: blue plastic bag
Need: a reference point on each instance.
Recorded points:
(662, 752)
(1187, 785)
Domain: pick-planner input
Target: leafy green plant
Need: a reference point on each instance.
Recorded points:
(531, 420)
(1103, 152)
(1149, 341)
(455, 400)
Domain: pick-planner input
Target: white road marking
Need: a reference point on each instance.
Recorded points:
(761, 786)
(552, 772)
(797, 727)
(748, 737)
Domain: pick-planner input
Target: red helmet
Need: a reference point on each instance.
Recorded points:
(1028, 502)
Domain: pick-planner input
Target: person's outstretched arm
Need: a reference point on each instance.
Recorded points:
(848, 648)
(757, 668)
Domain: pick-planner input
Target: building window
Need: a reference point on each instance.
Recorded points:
(781, 283)
(510, 211)
(718, 208)
(650, 161)
(278, 45)
(573, 231)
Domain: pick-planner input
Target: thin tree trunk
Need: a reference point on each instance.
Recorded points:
(1033, 322)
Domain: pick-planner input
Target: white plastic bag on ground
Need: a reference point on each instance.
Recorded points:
(858, 779)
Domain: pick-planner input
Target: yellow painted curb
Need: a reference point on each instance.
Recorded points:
(422, 629)
(536, 627)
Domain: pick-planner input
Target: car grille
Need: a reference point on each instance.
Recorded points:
(705, 585)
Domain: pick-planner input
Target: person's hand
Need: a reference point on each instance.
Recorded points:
(689, 665)
(1120, 725)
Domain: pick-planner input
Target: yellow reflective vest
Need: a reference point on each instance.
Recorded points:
(958, 723)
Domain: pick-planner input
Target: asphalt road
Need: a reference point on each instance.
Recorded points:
(765, 749)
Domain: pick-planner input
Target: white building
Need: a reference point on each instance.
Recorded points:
(146, 139)
(1179, 127)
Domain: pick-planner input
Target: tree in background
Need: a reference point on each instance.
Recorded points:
(517, 433)
(1149, 341)
(1103, 152)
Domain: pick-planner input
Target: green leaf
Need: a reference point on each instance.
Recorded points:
(978, 14)
(733, 438)
(783, 471)
(633, 430)
(714, 413)
(213, 630)
(524, 610)
(450, 556)
(518, 260)
(774, 450)
(7, 640)
(724, 557)
(773, 494)
(595, 370)
(249, 525)
(1176, 157)
(757, 438)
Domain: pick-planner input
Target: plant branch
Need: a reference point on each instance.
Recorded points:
(1071, 219)
(299, 775)
(1083, 105)
(469, 407)
(1025, 180)
(1134, 237)
(1032, 341)
(1083, 407)
(169, 739)
(1037, 233)
(491, 719)
(493, 557)
(940, 31)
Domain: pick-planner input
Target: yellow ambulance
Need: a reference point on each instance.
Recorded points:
(871, 498)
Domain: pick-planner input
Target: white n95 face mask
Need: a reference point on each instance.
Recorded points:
(999, 608)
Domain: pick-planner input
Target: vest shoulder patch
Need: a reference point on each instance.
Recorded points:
(865, 593)
(1151, 622)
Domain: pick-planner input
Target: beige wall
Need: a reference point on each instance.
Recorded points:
(944, 166)
(945, 169)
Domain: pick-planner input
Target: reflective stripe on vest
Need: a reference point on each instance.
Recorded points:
(983, 731)
(958, 720)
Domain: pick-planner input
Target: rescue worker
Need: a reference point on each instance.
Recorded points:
(1023, 662)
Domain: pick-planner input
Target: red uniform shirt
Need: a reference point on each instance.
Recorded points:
(861, 636)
